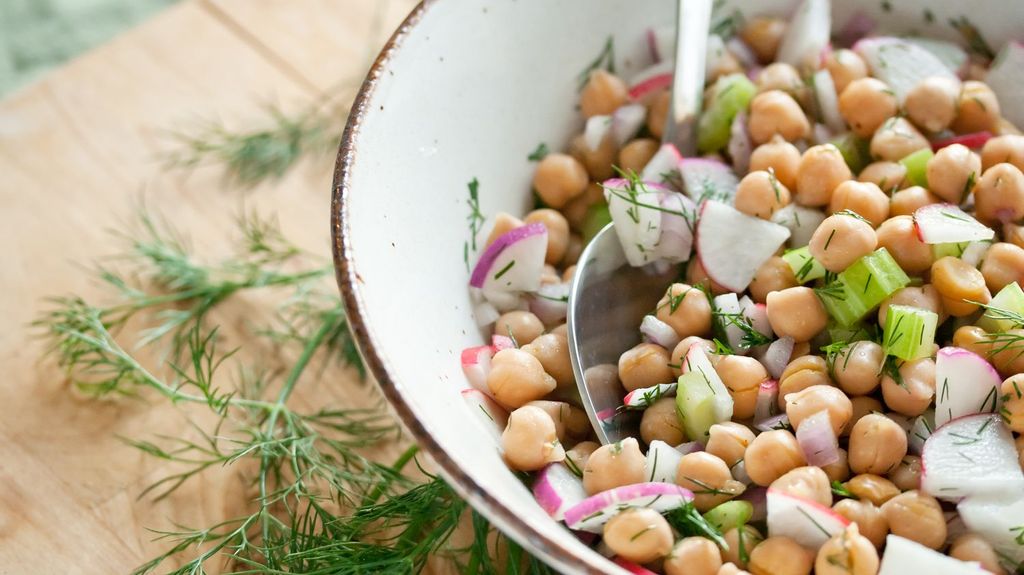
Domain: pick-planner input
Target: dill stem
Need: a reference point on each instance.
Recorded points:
(396, 467)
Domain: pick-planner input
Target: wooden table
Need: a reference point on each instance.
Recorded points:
(77, 150)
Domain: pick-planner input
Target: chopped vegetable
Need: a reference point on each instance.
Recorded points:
(965, 384)
(1009, 299)
(593, 512)
(909, 332)
(861, 287)
(803, 264)
(730, 95)
(946, 223)
(732, 245)
(956, 452)
(917, 166)
(730, 514)
(807, 522)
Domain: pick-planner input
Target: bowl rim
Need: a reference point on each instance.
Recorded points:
(349, 282)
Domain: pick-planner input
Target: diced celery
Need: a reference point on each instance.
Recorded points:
(956, 250)
(1010, 298)
(803, 264)
(855, 332)
(861, 287)
(695, 405)
(596, 218)
(909, 332)
(855, 151)
(917, 164)
(732, 94)
(730, 514)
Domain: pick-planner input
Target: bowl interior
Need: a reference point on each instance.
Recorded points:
(467, 90)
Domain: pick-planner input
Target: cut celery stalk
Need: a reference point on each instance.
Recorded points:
(803, 264)
(696, 405)
(917, 164)
(955, 249)
(730, 514)
(1010, 298)
(733, 94)
(856, 332)
(861, 287)
(597, 217)
(909, 332)
(855, 151)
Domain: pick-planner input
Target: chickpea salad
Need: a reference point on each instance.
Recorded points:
(835, 382)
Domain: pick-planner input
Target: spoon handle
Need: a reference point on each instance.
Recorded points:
(692, 27)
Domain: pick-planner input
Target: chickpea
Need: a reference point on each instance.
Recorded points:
(779, 155)
(870, 520)
(660, 421)
(580, 453)
(693, 556)
(574, 249)
(1008, 148)
(764, 34)
(742, 376)
(796, 312)
(644, 365)
(807, 402)
(503, 223)
(709, 478)
(845, 66)
(905, 202)
(897, 139)
(907, 474)
(760, 195)
(741, 541)
(696, 275)
(808, 482)
(858, 368)
(558, 232)
(999, 194)
(847, 553)
(559, 178)
(771, 455)
(822, 169)
(915, 394)
(575, 211)
(917, 517)
(841, 240)
(635, 155)
(977, 109)
(952, 172)
(803, 372)
(679, 352)
(864, 198)
(783, 77)
(801, 348)
(898, 236)
(530, 441)
(773, 275)
(562, 330)
(657, 113)
(516, 378)
(973, 338)
(862, 405)
(560, 413)
(957, 281)
(924, 297)
(877, 444)
(549, 275)
(1003, 265)
(731, 569)
(931, 104)
(780, 556)
(840, 469)
(686, 310)
(873, 488)
(866, 104)
(728, 441)
(522, 326)
(640, 535)
(973, 547)
(598, 161)
(614, 465)
(776, 112)
(888, 176)
(1012, 408)
(603, 94)
(1013, 234)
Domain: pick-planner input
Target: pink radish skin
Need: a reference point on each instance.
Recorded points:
(757, 496)
(476, 364)
(965, 384)
(807, 522)
(946, 223)
(487, 411)
(903, 556)
(642, 398)
(971, 456)
(732, 245)
(650, 81)
(632, 567)
(592, 513)
(974, 141)
(517, 257)
(556, 489)
(740, 145)
(501, 342)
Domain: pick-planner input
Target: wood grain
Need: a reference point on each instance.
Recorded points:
(78, 150)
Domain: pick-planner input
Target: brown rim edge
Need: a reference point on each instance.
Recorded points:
(348, 281)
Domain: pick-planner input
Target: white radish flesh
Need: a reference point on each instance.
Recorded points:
(949, 53)
(595, 130)
(550, 303)
(662, 462)
(965, 384)
(556, 489)
(800, 221)
(626, 122)
(696, 361)
(828, 101)
(999, 519)
(920, 430)
(678, 217)
(807, 522)
(947, 224)
(634, 211)
(732, 245)
(972, 455)
(899, 63)
(903, 556)
(706, 179)
(643, 397)
(729, 312)
(659, 332)
(757, 314)
(593, 512)
(476, 364)
(663, 165)
(808, 35)
(513, 263)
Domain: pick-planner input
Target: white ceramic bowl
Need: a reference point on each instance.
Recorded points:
(466, 89)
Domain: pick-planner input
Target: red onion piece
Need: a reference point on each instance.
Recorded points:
(776, 357)
(818, 440)
(858, 26)
(659, 332)
(767, 400)
(775, 422)
(741, 51)
(758, 497)
(740, 146)
(689, 447)
(551, 303)
(973, 141)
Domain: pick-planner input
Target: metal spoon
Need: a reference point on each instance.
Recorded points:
(609, 297)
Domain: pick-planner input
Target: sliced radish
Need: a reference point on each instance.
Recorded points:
(807, 522)
(550, 303)
(757, 313)
(661, 43)
(965, 384)
(501, 342)
(828, 101)
(513, 263)
(949, 53)
(800, 221)
(593, 512)
(818, 440)
(920, 430)
(663, 166)
(974, 141)
(975, 252)
(706, 179)
(483, 311)
(626, 122)
(659, 332)
(651, 81)
(696, 361)
(1004, 79)
(903, 556)
(776, 357)
(732, 245)
(643, 397)
(678, 218)
(808, 35)
(740, 145)
(999, 520)
(727, 308)
(899, 63)
(742, 51)
(947, 224)
(487, 411)
(767, 400)
(595, 130)
(662, 462)
(556, 489)
(632, 567)
(635, 212)
(476, 364)
(972, 455)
